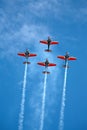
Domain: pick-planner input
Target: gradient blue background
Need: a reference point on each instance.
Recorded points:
(23, 23)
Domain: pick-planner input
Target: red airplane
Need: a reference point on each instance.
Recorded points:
(46, 64)
(66, 58)
(26, 55)
(48, 42)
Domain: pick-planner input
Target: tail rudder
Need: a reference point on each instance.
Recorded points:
(47, 50)
(65, 66)
(26, 62)
(46, 72)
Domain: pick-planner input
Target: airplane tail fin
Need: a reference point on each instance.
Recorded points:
(47, 50)
(26, 62)
(46, 72)
(65, 66)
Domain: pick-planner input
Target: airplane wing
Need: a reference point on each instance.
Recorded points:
(61, 57)
(51, 64)
(54, 42)
(21, 54)
(44, 42)
(72, 58)
(31, 55)
(41, 63)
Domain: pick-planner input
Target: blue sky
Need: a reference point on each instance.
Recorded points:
(23, 24)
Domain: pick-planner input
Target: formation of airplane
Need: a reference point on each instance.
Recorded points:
(66, 58)
(26, 54)
(46, 64)
(49, 42)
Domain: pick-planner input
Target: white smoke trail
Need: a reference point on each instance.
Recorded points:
(21, 115)
(43, 103)
(61, 121)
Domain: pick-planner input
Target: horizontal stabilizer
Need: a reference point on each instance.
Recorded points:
(46, 72)
(65, 66)
(26, 62)
(48, 50)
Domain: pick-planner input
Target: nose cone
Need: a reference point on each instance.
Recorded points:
(67, 53)
(27, 52)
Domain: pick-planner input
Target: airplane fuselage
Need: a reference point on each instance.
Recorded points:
(46, 63)
(49, 41)
(27, 54)
(66, 57)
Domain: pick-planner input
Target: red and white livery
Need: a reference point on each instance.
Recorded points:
(46, 64)
(66, 58)
(26, 54)
(49, 42)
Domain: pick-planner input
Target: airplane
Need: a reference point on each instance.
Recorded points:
(66, 58)
(49, 42)
(26, 54)
(46, 64)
